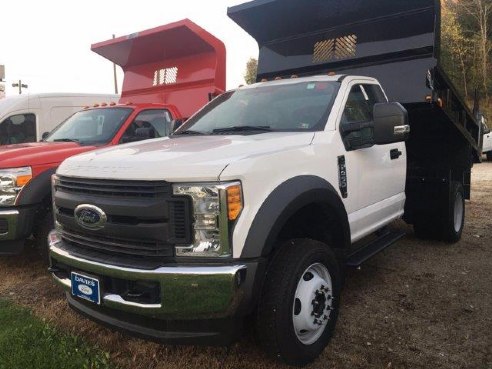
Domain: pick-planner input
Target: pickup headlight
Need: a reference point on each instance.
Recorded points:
(215, 208)
(11, 183)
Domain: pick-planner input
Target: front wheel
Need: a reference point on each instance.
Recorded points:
(299, 303)
(43, 226)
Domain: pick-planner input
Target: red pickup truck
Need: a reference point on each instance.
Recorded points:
(170, 72)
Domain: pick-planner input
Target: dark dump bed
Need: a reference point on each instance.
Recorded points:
(395, 41)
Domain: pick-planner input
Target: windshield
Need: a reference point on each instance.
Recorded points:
(303, 106)
(96, 126)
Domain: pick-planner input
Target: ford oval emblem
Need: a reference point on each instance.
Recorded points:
(90, 217)
(86, 290)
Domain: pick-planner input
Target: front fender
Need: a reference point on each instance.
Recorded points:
(287, 199)
(37, 189)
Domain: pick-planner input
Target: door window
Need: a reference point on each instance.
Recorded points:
(360, 103)
(18, 128)
(153, 123)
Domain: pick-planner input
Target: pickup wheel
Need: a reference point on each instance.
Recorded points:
(489, 156)
(448, 226)
(43, 226)
(299, 303)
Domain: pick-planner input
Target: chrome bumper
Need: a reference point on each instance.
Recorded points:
(186, 292)
(10, 217)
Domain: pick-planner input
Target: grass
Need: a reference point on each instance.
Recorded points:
(27, 342)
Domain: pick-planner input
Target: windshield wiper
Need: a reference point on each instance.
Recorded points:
(188, 132)
(242, 129)
(66, 140)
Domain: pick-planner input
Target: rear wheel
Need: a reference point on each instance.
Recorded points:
(449, 223)
(299, 303)
(489, 156)
(455, 219)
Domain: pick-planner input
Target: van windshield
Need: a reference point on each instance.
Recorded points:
(90, 127)
(303, 106)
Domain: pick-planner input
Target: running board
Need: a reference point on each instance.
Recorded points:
(368, 251)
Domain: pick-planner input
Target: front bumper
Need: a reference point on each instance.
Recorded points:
(16, 225)
(195, 304)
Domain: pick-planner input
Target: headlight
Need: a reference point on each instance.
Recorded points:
(215, 208)
(11, 183)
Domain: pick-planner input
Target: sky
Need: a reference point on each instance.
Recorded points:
(46, 43)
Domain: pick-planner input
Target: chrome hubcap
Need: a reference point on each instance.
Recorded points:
(313, 303)
(458, 212)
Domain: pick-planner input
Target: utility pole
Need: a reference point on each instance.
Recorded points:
(114, 74)
(20, 85)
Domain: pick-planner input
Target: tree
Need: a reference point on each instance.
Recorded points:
(251, 71)
(479, 13)
(455, 49)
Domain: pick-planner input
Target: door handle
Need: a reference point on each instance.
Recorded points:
(395, 154)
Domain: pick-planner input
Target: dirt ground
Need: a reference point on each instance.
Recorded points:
(416, 305)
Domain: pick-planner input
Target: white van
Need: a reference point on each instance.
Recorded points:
(24, 118)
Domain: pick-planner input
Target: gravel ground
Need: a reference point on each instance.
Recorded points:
(416, 305)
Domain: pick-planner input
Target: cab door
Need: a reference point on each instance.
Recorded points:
(380, 170)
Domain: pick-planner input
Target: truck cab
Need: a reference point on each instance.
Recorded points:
(255, 206)
(163, 85)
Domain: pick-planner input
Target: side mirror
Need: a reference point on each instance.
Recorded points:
(390, 123)
(45, 135)
(175, 124)
(144, 133)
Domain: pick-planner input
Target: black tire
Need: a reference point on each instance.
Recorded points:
(489, 155)
(274, 326)
(454, 219)
(444, 226)
(44, 225)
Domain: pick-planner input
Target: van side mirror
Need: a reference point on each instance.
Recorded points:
(390, 123)
(45, 135)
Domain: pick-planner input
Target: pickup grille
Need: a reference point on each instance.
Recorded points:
(144, 219)
(115, 188)
(111, 246)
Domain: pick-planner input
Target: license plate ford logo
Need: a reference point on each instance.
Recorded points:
(90, 217)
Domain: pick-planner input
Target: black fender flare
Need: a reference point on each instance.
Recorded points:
(288, 198)
(37, 189)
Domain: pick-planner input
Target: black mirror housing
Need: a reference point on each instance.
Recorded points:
(390, 123)
(144, 133)
(176, 123)
(44, 136)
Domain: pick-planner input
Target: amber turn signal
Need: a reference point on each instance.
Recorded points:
(23, 180)
(234, 202)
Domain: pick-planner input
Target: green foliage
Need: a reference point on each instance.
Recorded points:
(251, 71)
(466, 48)
(26, 342)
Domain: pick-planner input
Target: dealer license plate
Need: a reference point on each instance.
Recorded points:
(86, 288)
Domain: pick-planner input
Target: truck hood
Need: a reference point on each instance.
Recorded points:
(38, 153)
(178, 159)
